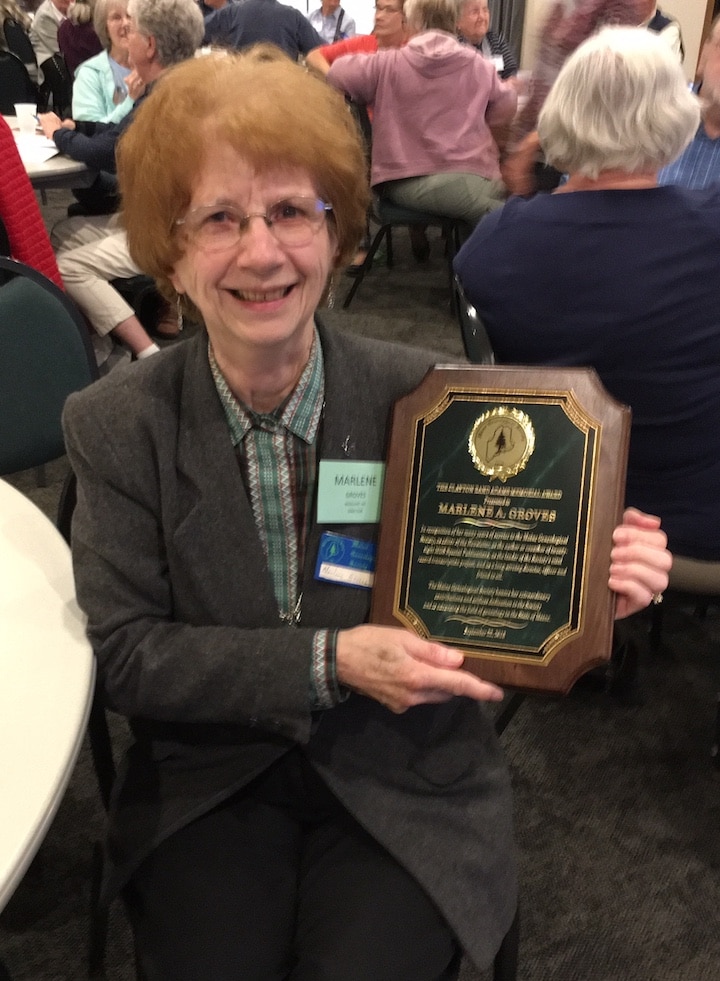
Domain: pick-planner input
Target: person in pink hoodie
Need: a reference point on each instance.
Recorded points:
(437, 104)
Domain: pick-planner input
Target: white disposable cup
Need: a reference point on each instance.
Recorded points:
(26, 113)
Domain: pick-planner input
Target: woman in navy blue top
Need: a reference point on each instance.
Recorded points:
(617, 273)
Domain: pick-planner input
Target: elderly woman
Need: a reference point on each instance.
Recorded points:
(473, 27)
(92, 249)
(77, 37)
(10, 10)
(566, 26)
(389, 31)
(435, 102)
(308, 795)
(105, 89)
(615, 272)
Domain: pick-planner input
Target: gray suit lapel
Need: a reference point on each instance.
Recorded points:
(214, 516)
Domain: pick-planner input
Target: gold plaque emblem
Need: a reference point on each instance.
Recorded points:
(501, 442)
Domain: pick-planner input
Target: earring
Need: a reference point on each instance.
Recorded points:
(330, 298)
(178, 307)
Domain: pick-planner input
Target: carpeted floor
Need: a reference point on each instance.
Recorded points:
(617, 807)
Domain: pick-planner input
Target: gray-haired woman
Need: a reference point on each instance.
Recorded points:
(105, 88)
(309, 796)
(615, 272)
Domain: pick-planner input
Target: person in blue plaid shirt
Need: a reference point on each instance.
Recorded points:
(699, 165)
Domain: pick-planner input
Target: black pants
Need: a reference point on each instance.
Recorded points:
(282, 883)
(102, 197)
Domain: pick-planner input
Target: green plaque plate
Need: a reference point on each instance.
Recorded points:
(503, 487)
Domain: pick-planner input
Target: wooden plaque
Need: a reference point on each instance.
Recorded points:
(502, 489)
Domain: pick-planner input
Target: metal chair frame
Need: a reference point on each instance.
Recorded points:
(390, 216)
(56, 88)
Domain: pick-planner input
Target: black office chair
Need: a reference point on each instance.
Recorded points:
(15, 83)
(56, 87)
(18, 41)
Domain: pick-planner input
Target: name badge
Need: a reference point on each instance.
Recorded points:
(349, 561)
(349, 492)
(499, 63)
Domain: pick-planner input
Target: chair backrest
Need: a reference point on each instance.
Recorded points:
(475, 339)
(18, 41)
(360, 114)
(56, 89)
(45, 354)
(15, 83)
(27, 237)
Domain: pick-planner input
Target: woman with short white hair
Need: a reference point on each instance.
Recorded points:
(619, 104)
(615, 272)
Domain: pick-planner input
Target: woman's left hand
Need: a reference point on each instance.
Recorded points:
(639, 562)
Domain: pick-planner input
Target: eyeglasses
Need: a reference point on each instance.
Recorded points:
(293, 221)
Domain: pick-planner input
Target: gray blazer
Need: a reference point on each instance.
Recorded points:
(185, 627)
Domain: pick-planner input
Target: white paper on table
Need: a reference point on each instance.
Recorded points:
(35, 149)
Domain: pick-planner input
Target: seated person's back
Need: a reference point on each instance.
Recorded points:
(435, 101)
(620, 275)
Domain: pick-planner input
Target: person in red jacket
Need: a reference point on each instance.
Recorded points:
(389, 31)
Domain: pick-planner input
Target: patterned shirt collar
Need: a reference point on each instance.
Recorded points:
(300, 412)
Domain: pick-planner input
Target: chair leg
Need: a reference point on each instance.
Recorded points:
(367, 264)
(715, 751)
(452, 247)
(505, 965)
(101, 749)
(508, 710)
(623, 676)
(97, 939)
(389, 257)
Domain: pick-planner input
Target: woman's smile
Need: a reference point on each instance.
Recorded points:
(264, 296)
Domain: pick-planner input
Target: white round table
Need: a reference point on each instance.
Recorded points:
(57, 171)
(47, 675)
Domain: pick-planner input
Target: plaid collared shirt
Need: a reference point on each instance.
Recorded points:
(277, 453)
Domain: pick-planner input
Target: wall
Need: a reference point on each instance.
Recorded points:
(690, 13)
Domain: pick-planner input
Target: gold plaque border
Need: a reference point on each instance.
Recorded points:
(588, 407)
(404, 611)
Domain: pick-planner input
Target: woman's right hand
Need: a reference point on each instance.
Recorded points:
(135, 85)
(400, 670)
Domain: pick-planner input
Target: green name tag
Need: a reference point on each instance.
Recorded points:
(349, 491)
